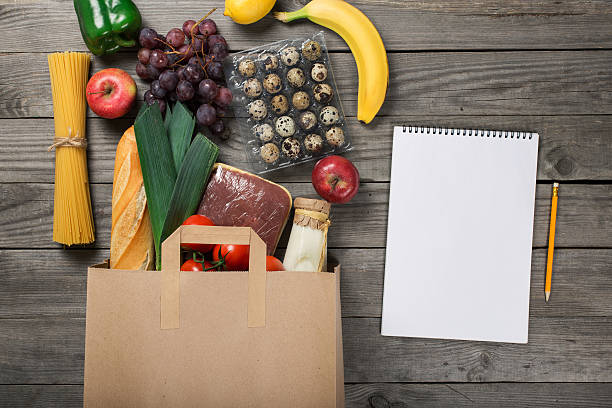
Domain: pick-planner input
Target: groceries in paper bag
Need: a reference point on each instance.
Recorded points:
(164, 179)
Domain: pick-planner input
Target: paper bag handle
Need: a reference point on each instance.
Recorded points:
(197, 234)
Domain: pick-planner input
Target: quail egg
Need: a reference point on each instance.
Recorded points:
(269, 153)
(252, 88)
(318, 72)
(313, 143)
(329, 115)
(311, 50)
(247, 68)
(291, 147)
(335, 136)
(264, 132)
(257, 109)
(307, 120)
(272, 83)
(269, 61)
(296, 77)
(290, 56)
(280, 104)
(285, 126)
(300, 100)
(323, 93)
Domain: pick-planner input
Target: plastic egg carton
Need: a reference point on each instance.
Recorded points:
(254, 104)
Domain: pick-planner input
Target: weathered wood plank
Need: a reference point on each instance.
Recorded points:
(477, 395)
(380, 395)
(41, 396)
(52, 283)
(559, 349)
(403, 25)
(45, 282)
(47, 351)
(571, 147)
(51, 351)
(467, 83)
(584, 218)
(582, 283)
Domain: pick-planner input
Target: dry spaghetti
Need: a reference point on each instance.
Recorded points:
(72, 215)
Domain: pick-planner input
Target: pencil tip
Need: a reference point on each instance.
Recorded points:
(547, 295)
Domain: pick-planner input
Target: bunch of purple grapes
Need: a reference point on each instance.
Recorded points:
(186, 65)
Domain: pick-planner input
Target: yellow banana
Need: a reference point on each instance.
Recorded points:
(365, 44)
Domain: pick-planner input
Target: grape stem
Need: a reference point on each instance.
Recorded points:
(212, 58)
(165, 43)
(174, 51)
(202, 19)
(177, 62)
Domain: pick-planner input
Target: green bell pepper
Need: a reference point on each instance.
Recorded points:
(107, 25)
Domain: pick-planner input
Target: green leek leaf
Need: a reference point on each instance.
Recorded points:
(180, 129)
(190, 182)
(168, 117)
(158, 170)
(143, 108)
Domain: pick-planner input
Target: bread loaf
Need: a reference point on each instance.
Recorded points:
(132, 244)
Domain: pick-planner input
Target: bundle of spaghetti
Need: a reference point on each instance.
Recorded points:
(72, 215)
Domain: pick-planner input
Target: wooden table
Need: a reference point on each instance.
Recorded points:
(544, 66)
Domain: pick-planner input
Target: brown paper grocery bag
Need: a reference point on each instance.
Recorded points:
(213, 339)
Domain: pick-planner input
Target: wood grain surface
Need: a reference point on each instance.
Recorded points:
(34, 287)
(404, 24)
(50, 350)
(543, 66)
(383, 395)
(584, 215)
(571, 147)
(442, 83)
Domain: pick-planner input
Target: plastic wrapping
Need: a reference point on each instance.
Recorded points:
(236, 198)
(254, 104)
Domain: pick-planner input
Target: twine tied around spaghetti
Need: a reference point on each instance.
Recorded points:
(69, 141)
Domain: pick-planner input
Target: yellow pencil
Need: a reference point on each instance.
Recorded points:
(551, 239)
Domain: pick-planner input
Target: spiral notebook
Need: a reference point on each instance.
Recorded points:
(459, 237)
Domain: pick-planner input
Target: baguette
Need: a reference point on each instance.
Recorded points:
(132, 245)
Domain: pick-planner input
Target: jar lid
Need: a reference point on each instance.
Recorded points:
(312, 204)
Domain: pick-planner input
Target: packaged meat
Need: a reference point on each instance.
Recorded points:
(237, 198)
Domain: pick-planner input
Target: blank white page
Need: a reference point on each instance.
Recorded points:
(459, 237)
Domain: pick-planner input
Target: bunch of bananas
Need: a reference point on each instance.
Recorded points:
(365, 43)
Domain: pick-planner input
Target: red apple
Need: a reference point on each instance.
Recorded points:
(336, 179)
(111, 93)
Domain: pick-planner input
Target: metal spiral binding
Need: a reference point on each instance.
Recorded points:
(502, 134)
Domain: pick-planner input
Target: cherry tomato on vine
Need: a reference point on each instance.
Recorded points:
(198, 219)
(236, 257)
(191, 266)
(194, 266)
(274, 264)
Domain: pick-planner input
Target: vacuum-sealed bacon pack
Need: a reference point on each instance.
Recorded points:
(237, 198)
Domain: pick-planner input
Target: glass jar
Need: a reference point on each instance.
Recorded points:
(307, 247)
